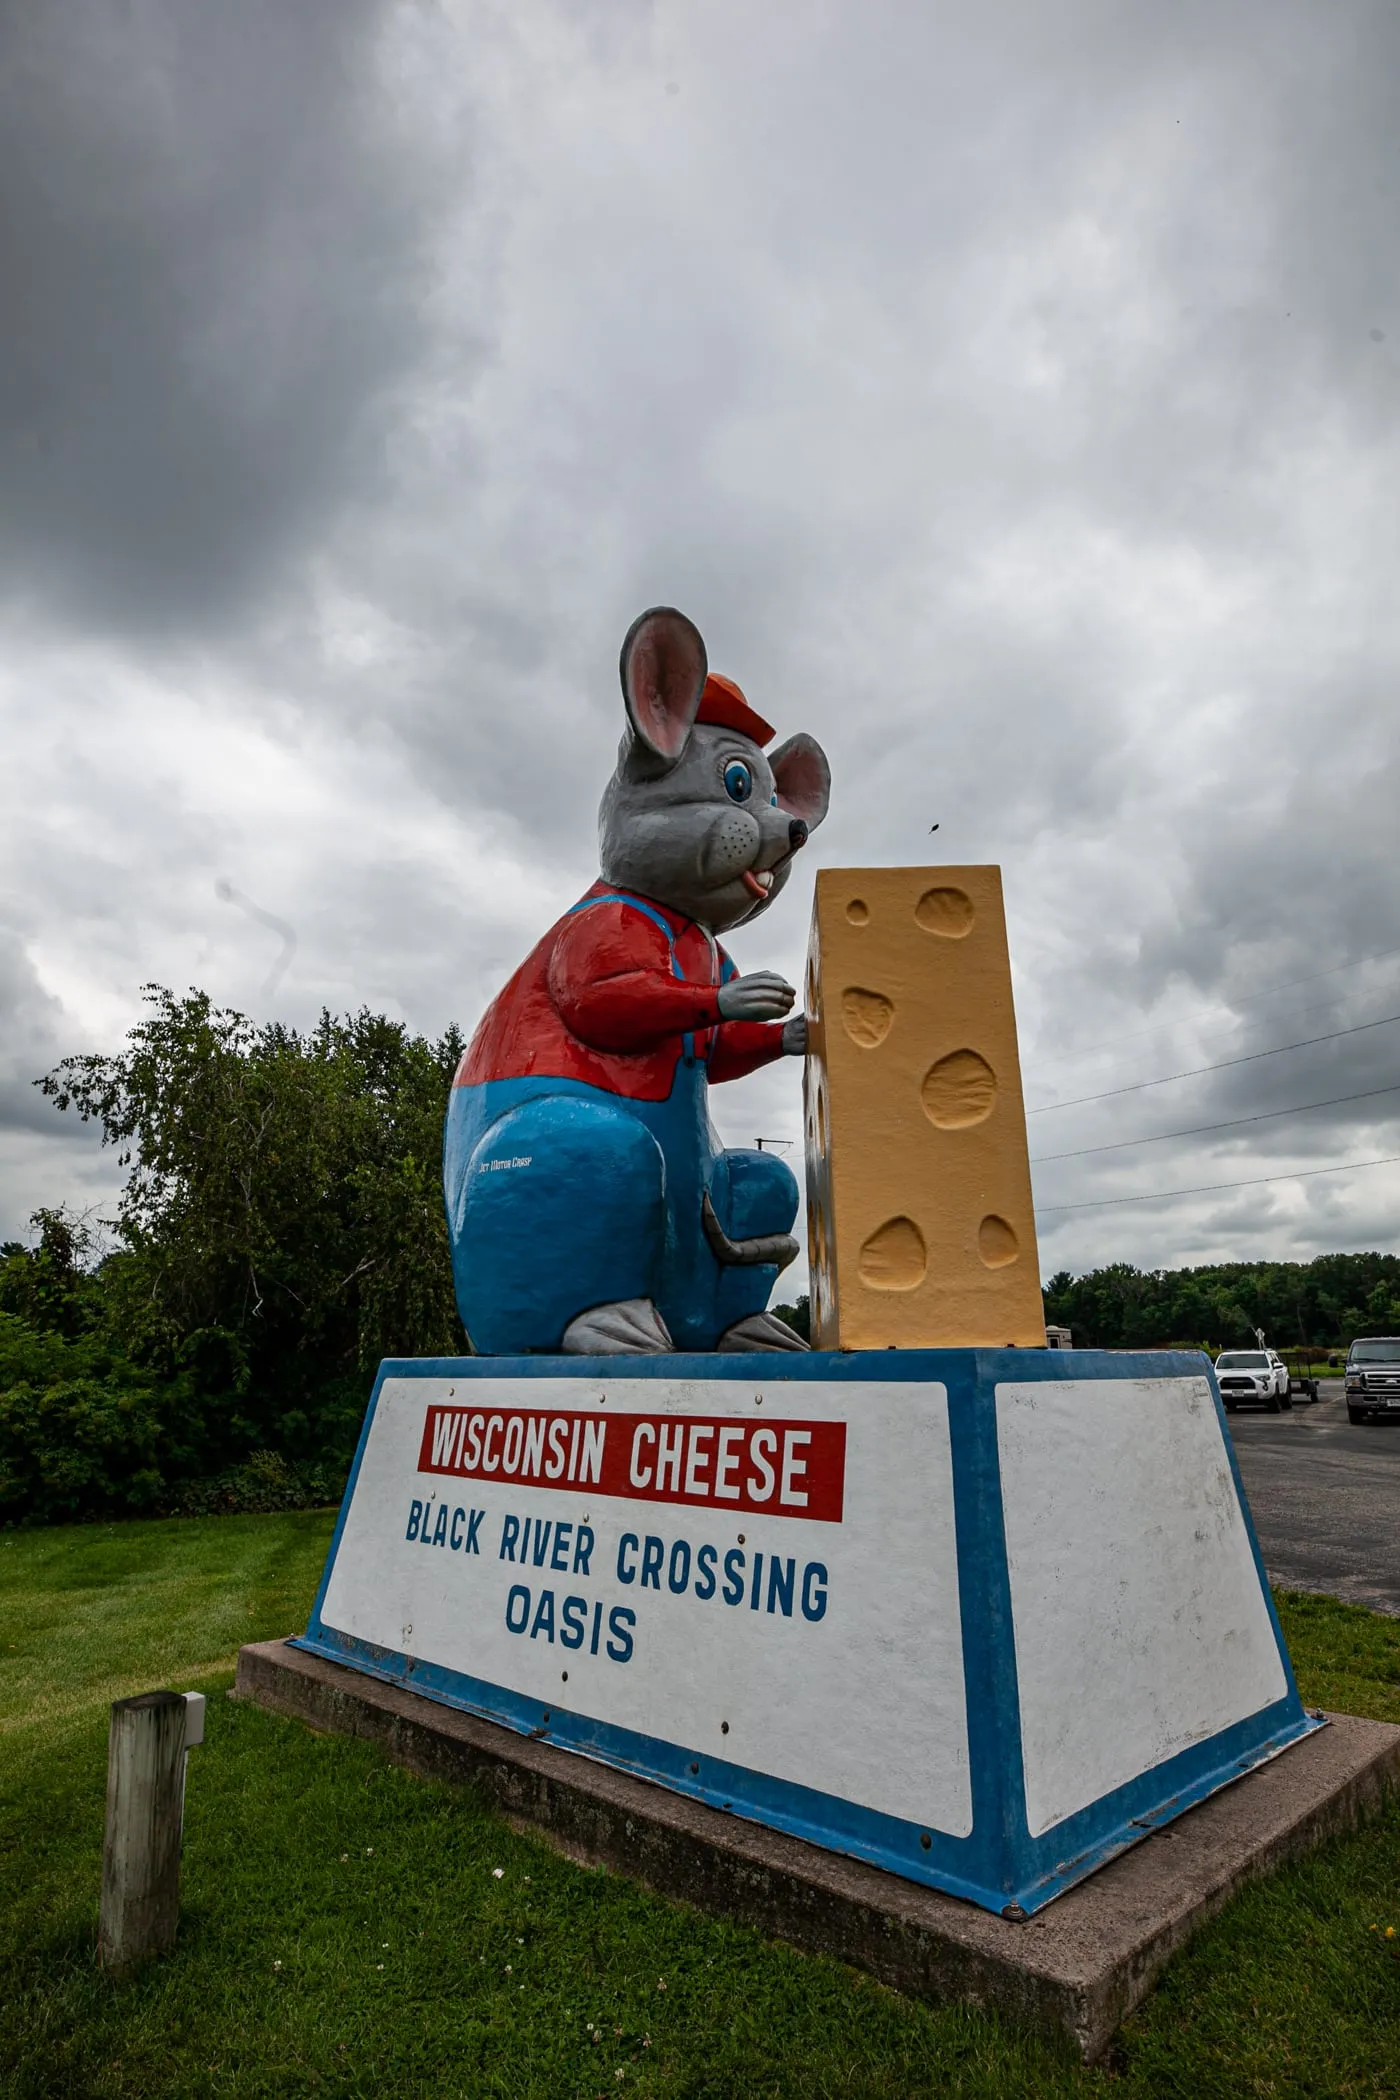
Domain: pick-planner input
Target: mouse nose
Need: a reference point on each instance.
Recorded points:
(797, 834)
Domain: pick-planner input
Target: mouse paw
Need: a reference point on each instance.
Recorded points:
(795, 1036)
(759, 1331)
(631, 1327)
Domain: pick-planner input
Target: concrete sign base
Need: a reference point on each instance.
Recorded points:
(982, 1618)
(1079, 1968)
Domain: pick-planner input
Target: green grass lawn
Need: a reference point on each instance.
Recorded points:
(348, 1929)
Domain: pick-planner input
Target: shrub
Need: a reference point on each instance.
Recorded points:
(267, 1483)
(79, 1437)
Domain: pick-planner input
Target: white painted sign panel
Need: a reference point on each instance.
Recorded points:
(1141, 1627)
(768, 1575)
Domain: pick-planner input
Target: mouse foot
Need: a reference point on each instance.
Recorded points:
(631, 1327)
(759, 1331)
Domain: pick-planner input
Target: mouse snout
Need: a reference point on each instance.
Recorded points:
(730, 841)
(797, 834)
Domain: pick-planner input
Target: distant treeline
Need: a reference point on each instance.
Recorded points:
(1317, 1304)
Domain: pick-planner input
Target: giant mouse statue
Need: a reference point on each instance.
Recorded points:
(590, 1206)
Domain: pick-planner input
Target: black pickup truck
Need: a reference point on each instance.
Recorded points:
(1373, 1377)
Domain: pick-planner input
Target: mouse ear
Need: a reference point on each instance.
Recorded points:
(663, 677)
(802, 778)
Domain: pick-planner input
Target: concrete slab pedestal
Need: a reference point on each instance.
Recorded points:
(1079, 1966)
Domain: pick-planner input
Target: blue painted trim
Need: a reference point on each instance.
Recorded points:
(1000, 1862)
(989, 1655)
(386, 1370)
(950, 1367)
(1117, 1821)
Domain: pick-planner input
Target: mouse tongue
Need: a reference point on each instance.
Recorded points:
(755, 882)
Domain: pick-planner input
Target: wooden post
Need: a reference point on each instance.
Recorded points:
(145, 1801)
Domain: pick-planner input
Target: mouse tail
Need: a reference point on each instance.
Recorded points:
(779, 1247)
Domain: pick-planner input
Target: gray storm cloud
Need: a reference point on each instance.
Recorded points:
(1009, 392)
(214, 243)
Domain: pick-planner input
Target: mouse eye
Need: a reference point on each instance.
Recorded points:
(773, 800)
(738, 781)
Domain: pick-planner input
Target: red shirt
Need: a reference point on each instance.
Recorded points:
(599, 1000)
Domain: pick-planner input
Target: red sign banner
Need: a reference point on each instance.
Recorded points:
(779, 1468)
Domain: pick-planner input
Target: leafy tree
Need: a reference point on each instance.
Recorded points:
(281, 1228)
(50, 1286)
(1383, 1310)
(798, 1316)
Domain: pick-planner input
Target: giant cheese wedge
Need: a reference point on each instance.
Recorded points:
(921, 1232)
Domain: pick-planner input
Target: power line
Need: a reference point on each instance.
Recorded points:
(1209, 1188)
(1300, 1013)
(1059, 1057)
(1295, 1013)
(1140, 1086)
(1202, 1129)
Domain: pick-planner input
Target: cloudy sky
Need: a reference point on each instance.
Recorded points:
(1009, 391)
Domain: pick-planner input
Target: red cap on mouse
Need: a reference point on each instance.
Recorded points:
(723, 706)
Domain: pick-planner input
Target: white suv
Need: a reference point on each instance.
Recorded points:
(1252, 1374)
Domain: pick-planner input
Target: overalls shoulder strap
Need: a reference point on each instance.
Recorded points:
(649, 911)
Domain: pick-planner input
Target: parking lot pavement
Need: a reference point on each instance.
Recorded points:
(1325, 1497)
